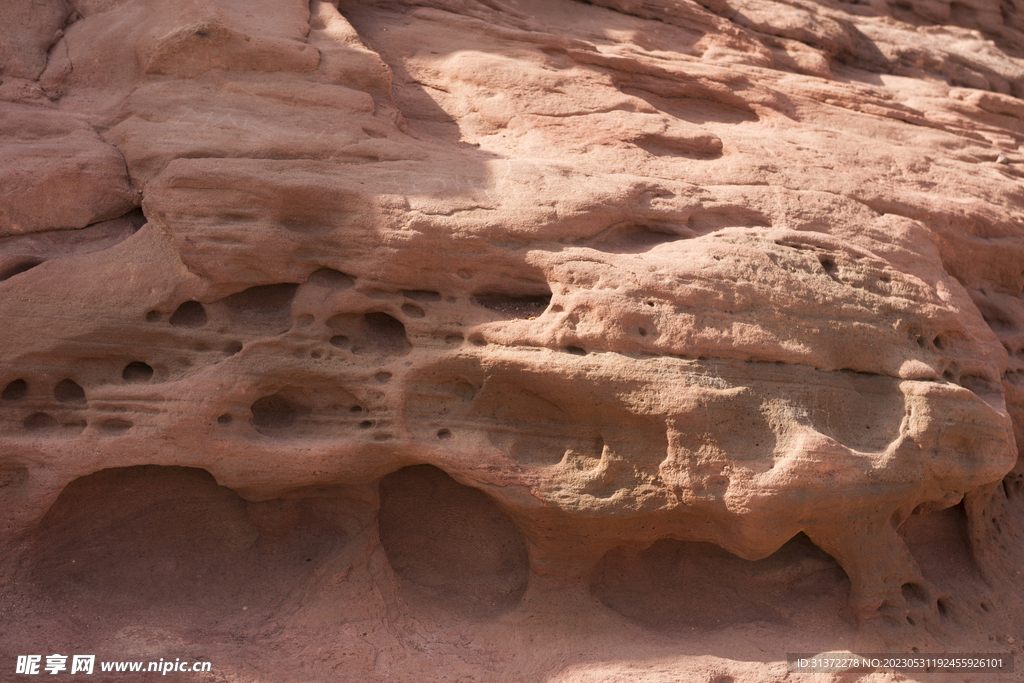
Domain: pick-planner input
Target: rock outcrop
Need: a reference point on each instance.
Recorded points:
(510, 340)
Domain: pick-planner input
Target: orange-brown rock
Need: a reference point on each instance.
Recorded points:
(479, 340)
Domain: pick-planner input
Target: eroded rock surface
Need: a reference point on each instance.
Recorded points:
(510, 340)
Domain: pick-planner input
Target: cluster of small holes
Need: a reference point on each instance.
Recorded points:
(68, 393)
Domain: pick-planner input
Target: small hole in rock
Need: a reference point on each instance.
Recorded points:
(68, 391)
(189, 314)
(943, 606)
(453, 339)
(413, 311)
(224, 420)
(477, 340)
(233, 348)
(356, 409)
(384, 334)
(575, 350)
(374, 333)
(271, 301)
(116, 425)
(422, 295)
(642, 331)
(328, 277)
(38, 422)
(153, 317)
(450, 545)
(913, 593)
(365, 424)
(444, 434)
(273, 412)
(315, 355)
(19, 268)
(136, 372)
(383, 377)
(340, 341)
(76, 425)
(15, 391)
(514, 307)
(911, 621)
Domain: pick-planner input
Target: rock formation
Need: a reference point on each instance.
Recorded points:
(520, 340)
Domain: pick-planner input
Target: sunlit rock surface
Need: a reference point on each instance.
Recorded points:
(520, 341)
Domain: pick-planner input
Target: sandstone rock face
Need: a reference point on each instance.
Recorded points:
(522, 340)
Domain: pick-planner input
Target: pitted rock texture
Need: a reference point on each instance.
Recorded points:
(476, 340)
